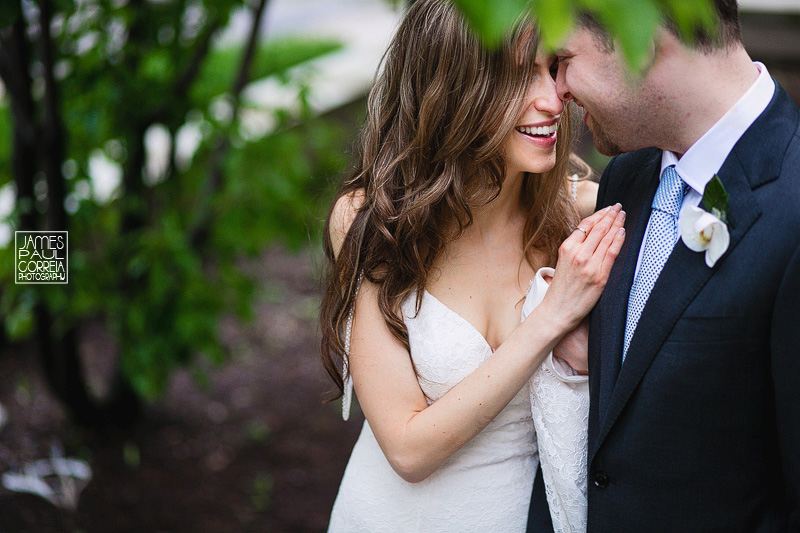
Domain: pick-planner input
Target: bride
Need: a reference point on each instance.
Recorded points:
(459, 196)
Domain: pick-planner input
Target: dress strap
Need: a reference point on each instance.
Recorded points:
(347, 393)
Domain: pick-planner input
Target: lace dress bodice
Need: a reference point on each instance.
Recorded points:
(484, 486)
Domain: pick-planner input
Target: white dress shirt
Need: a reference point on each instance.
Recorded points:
(705, 157)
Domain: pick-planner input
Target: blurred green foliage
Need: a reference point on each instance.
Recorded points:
(5, 141)
(126, 69)
(261, 495)
(121, 69)
(632, 23)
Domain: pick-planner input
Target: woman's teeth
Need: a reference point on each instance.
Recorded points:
(543, 131)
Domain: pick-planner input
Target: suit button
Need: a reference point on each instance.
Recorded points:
(600, 479)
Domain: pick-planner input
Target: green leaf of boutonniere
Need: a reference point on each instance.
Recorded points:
(715, 199)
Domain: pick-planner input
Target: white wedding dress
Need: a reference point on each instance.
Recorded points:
(486, 485)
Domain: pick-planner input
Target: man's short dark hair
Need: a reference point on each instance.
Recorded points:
(729, 34)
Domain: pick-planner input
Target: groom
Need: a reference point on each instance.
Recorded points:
(694, 356)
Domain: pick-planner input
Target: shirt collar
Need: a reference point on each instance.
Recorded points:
(705, 157)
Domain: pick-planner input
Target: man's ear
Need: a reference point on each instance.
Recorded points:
(666, 44)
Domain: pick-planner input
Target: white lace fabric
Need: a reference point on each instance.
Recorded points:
(560, 409)
(486, 485)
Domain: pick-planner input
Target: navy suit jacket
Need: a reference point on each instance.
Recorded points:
(699, 430)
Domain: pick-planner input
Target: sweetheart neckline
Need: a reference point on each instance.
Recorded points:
(467, 322)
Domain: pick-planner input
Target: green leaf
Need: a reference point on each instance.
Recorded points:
(715, 199)
(131, 455)
(272, 58)
(556, 20)
(156, 66)
(690, 15)
(19, 324)
(633, 26)
(492, 21)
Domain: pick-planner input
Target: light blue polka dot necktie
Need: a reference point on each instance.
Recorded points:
(661, 238)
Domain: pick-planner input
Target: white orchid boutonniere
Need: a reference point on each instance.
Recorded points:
(707, 229)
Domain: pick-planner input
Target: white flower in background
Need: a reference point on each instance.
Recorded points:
(702, 231)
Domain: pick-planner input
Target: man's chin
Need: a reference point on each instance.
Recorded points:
(604, 145)
(607, 149)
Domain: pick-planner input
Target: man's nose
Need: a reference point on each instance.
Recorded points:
(561, 85)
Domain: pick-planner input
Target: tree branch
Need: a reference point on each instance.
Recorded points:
(200, 230)
(201, 50)
(54, 132)
(184, 81)
(14, 61)
(249, 52)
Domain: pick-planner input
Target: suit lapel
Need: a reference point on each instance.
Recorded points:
(682, 278)
(614, 302)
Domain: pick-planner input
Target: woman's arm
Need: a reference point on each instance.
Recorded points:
(417, 438)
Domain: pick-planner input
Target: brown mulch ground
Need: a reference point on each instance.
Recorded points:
(255, 450)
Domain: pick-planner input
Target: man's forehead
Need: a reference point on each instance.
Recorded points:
(577, 41)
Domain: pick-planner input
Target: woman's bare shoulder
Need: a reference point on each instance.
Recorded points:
(342, 216)
(587, 197)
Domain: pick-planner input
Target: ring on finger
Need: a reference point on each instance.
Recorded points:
(585, 233)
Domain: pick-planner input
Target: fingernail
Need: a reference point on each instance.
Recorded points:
(622, 215)
(605, 209)
(621, 231)
(618, 206)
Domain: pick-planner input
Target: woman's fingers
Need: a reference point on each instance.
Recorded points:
(600, 229)
(608, 238)
(613, 252)
(587, 224)
(580, 247)
(591, 221)
(585, 261)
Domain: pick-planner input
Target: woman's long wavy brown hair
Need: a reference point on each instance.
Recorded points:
(431, 151)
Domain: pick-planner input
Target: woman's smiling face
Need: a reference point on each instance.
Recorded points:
(531, 146)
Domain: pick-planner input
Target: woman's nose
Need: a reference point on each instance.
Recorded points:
(548, 99)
